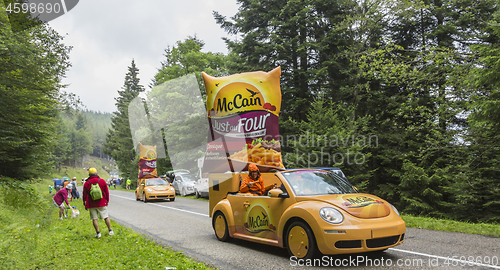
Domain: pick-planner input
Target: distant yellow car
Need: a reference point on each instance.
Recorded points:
(154, 189)
(311, 210)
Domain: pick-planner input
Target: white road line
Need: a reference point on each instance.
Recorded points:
(462, 262)
(200, 214)
(169, 207)
(395, 249)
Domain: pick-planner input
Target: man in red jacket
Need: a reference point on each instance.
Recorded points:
(97, 207)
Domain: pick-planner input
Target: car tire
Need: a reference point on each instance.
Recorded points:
(220, 227)
(183, 192)
(198, 195)
(300, 241)
(172, 199)
(136, 196)
(144, 198)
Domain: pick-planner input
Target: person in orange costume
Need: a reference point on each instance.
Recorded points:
(253, 183)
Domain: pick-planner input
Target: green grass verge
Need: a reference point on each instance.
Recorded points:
(451, 225)
(33, 237)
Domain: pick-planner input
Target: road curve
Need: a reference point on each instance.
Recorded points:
(184, 225)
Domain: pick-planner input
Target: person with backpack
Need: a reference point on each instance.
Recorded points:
(96, 199)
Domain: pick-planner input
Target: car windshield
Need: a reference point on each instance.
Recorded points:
(310, 182)
(338, 172)
(188, 178)
(156, 182)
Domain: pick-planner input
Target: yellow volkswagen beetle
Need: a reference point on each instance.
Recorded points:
(309, 211)
(154, 189)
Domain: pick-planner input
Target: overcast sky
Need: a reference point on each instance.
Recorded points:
(107, 35)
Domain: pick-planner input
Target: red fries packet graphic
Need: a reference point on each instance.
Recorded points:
(243, 111)
(147, 161)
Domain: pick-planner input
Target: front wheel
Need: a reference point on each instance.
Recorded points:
(144, 198)
(172, 199)
(197, 194)
(220, 227)
(136, 196)
(183, 192)
(300, 241)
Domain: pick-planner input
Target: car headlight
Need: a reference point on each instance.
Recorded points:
(172, 189)
(149, 189)
(331, 215)
(395, 210)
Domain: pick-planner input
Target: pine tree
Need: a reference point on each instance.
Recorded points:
(119, 144)
(479, 186)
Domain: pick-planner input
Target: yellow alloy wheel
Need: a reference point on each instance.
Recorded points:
(300, 241)
(220, 227)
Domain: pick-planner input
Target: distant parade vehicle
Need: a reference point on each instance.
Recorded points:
(184, 183)
(171, 174)
(201, 188)
(310, 211)
(149, 189)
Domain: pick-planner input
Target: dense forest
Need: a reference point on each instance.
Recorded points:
(403, 96)
(79, 133)
(42, 126)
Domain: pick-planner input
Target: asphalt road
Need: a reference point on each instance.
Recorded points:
(184, 225)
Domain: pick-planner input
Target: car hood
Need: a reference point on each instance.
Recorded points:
(357, 204)
(160, 188)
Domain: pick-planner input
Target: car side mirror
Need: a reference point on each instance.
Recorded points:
(355, 189)
(284, 195)
(275, 193)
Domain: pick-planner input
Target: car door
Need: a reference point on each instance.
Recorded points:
(177, 184)
(256, 216)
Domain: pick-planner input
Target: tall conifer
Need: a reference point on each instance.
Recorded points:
(119, 144)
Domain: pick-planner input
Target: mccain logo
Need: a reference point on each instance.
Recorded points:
(258, 221)
(360, 201)
(237, 97)
(238, 102)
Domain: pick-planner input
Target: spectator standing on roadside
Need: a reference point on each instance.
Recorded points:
(59, 199)
(74, 194)
(97, 208)
(129, 182)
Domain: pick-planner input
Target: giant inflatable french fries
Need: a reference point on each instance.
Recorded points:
(147, 161)
(243, 111)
